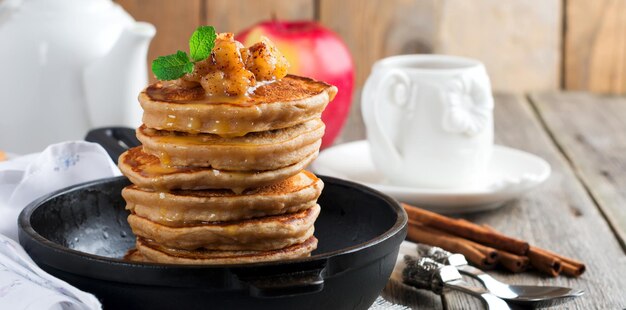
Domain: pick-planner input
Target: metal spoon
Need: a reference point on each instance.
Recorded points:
(528, 295)
(425, 273)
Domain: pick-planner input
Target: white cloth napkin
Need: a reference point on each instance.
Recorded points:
(22, 180)
(26, 178)
(23, 285)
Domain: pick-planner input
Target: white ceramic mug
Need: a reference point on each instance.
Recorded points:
(429, 120)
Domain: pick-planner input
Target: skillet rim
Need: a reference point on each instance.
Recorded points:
(26, 228)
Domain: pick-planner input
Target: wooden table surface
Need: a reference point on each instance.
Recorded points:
(579, 212)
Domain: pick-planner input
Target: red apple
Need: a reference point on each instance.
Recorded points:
(316, 52)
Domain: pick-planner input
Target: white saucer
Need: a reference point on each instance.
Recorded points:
(511, 173)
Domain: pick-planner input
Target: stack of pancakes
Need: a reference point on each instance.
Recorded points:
(221, 180)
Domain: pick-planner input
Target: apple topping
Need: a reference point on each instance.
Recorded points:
(266, 61)
(232, 69)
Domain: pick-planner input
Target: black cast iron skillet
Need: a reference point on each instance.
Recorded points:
(80, 233)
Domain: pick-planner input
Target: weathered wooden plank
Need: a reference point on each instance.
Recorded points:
(375, 29)
(379, 28)
(591, 131)
(595, 46)
(559, 216)
(175, 21)
(519, 41)
(354, 129)
(405, 295)
(236, 15)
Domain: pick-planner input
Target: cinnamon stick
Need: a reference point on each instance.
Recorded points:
(467, 230)
(513, 263)
(571, 267)
(493, 255)
(544, 262)
(422, 234)
(489, 227)
(572, 270)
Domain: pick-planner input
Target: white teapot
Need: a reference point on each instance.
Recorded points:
(68, 66)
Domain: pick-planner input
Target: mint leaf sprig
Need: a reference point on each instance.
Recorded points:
(174, 66)
(171, 67)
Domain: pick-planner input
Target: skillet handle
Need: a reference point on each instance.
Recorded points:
(297, 282)
(115, 140)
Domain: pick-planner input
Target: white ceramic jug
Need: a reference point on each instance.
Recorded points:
(429, 120)
(68, 66)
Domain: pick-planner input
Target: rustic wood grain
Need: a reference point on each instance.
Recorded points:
(519, 41)
(406, 295)
(236, 15)
(591, 131)
(595, 46)
(559, 216)
(508, 36)
(175, 21)
(375, 29)
(354, 129)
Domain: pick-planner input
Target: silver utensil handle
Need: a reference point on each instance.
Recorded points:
(458, 260)
(491, 302)
(426, 273)
(440, 255)
(494, 286)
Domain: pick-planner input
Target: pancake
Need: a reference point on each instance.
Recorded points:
(259, 234)
(267, 150)
(146, 171)
(150, 252)
(135, 256)
(182, 207)
(284, 103)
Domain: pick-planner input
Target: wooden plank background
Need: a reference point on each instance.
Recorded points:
(517, 40)
(526, 45)
(594, 140)
(595, 46)
(583, 148)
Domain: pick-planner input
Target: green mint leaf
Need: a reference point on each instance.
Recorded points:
(201, 43)
(171, 67)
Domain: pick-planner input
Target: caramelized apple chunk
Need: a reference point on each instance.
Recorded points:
(266, 61)
(232, 69)
(234, 79)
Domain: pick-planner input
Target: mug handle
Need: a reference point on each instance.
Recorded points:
(386, 93)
